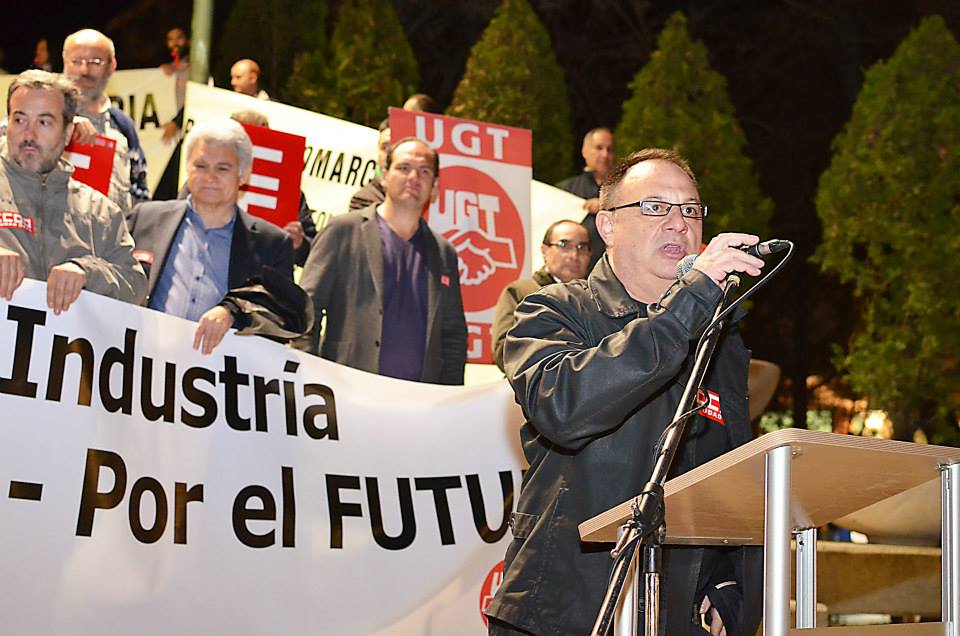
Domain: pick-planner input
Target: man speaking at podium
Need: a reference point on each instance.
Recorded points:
(599, 367)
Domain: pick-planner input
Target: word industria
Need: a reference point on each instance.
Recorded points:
(202, 390)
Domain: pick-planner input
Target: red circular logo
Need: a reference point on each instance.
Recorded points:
(490, 586)
(481, 221)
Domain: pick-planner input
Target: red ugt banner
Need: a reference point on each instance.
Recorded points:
(93, 163)
(273, 192)
(482, 208)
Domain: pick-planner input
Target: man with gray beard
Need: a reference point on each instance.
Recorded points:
(89, 60)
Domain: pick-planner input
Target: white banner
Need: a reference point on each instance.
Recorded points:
(259, 490)
(147, 95)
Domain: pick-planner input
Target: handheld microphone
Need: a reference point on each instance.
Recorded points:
(764, 248)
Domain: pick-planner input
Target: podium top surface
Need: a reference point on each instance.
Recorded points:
(722, 501)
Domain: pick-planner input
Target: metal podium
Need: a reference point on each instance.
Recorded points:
(784, 485)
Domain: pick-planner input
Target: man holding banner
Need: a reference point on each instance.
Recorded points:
(598, 367)
(388, 285)
(198, 249)
(52, 227)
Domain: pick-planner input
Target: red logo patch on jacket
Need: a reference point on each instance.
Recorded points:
(712, 409)
(143, 256)
(13, 220)
(444, 280)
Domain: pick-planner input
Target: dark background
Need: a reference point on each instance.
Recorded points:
(793, 67)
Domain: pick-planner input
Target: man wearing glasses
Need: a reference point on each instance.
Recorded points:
(598, 366)
(566, 254)
(89, 60)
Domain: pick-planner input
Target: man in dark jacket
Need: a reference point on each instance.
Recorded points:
(598, 367)
(387, 285)
(566, 253)
(599, 154)
(197, 250)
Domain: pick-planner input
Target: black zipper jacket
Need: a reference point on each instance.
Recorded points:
(599, 376)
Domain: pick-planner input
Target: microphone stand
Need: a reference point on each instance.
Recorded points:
(647, 527)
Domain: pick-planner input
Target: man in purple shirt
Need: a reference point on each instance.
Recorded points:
(387, 285)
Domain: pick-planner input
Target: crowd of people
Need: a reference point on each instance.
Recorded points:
(595, 343)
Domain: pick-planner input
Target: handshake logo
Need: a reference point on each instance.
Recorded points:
(481, 255)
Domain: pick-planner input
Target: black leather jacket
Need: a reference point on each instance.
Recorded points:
(599, 376)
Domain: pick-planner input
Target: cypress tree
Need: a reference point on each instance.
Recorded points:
(890, 208)
(293, 26)
(512, 78)
(369, 67)
(678, 101)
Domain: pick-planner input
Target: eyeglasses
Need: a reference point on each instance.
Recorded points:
(95, 62)
(652, 207)
(568, 246)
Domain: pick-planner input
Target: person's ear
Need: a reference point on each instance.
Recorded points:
(605, 225)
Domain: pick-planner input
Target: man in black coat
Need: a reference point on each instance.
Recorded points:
(196, 250)
(599, 154)
(598, 366)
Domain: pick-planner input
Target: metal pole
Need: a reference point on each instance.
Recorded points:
(200, 29)
(807, 579)
(626, 617)
(950, 548)
(776, 543)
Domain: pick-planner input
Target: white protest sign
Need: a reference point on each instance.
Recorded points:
(259, 490)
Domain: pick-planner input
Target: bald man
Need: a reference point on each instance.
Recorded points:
(245, 78)
(89, 60)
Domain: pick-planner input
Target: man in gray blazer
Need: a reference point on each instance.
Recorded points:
(387, 285)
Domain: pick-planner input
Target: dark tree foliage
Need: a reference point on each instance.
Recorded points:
(890, 208)
(679, 102)
(368, 68)
(272, 33)
(512, 78)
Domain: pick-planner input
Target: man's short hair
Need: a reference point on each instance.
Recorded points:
(647, 154)
(222, 131)
(593, 131)
(549, 233)
(42, 80)
(252, 117)
(88, 33)
(421, 102)
(394, 146)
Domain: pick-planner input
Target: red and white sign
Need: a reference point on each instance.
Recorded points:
(712, 409)
(93, 163)
(13, 220)
(482, 208)
(273, 192)
(489, 588)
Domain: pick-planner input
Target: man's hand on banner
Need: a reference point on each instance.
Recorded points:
(64, 284)
(592, 206)
(479, 255)
(295, 230)
(170, 132)
(12, 272)
(212, 328)
(83, 131)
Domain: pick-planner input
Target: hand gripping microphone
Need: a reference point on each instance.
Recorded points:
(759, 250)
